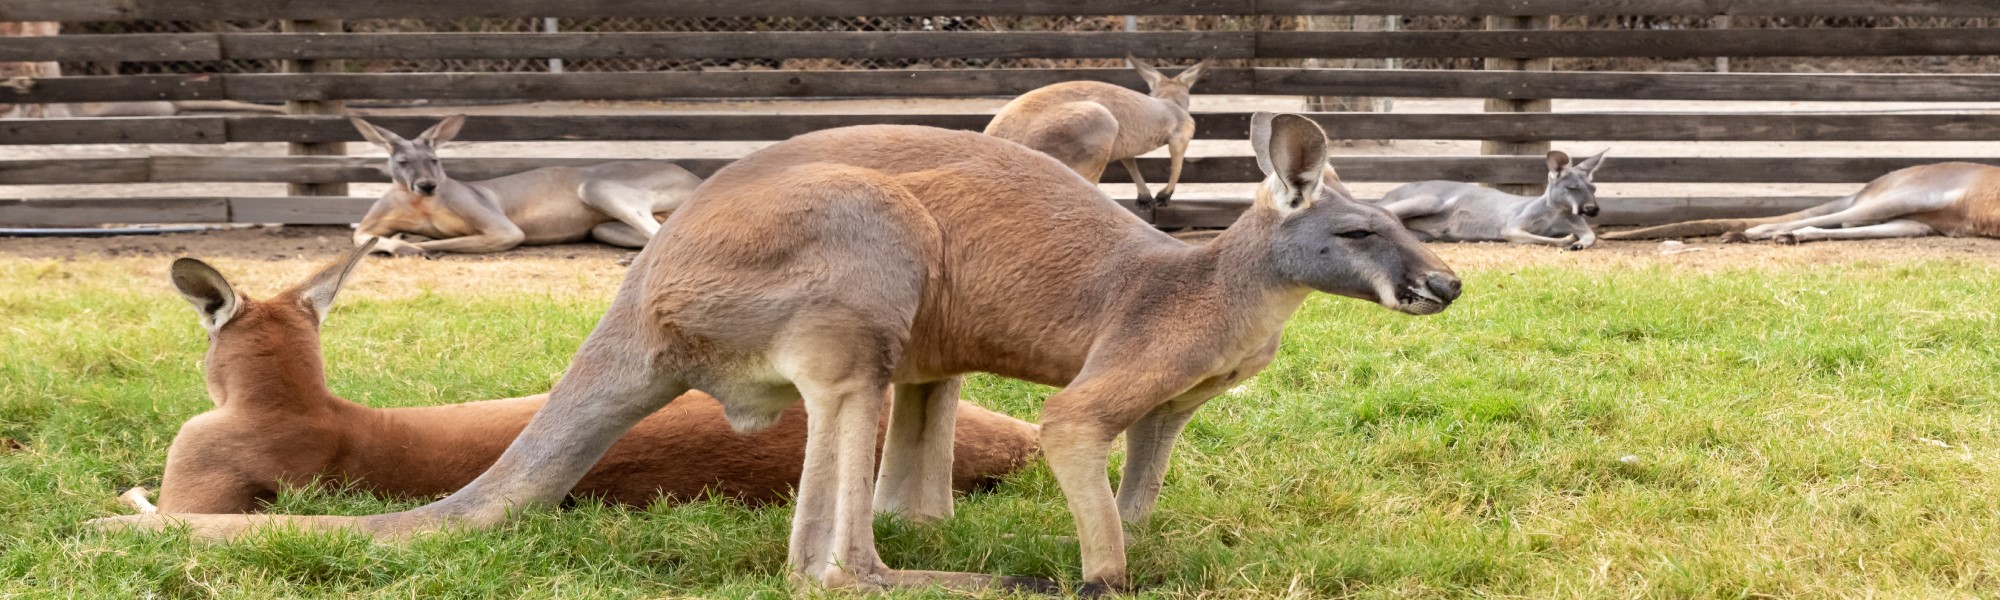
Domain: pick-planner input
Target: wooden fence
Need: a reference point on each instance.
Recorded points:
(308, 86)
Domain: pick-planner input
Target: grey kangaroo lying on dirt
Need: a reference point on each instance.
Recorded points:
(618, 203)
(1088, 124)
(834, 264)
(276, 424)
(1450, 211)
(1953, 199)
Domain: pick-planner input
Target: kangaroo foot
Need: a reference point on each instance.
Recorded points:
(1787, 238)
(1735, 237)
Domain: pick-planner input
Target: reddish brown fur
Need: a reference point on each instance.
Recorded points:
(276, 424)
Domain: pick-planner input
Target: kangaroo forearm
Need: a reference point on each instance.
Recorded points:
(472, 244)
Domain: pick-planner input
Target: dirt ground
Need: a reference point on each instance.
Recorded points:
(264, 259)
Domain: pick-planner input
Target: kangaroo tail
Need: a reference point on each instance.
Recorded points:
(1710, 227)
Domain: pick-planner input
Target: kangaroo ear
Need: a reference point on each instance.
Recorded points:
(1194, 73)
(442, 132)
(206, 289)
(1557, 162)
(1291, 151)
(318, 292)
(1589, 165)
(1147, 72)
(379, 136)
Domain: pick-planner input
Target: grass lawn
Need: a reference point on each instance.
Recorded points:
(1592, 432)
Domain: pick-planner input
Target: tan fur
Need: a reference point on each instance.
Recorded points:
(617, 203)
(275, 424)
(1953, 199)
(827, 266)
(1088, 124)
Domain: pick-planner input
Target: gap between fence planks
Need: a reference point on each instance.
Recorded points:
(278, 87)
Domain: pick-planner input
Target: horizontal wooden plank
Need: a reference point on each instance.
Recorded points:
(300, 210)
(147, 130)
(274, 87)
(81, 212)
(129, 88)
(121, 47)
(1684, 43)
(984, 44)
(1526, 85)
(1710, 127)
(735, 45)
(182, 10)
(1222, 169)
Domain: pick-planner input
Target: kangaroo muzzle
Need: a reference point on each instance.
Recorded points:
(426, 187)
(1444, 286)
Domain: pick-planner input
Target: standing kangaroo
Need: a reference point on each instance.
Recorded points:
(830, 265)
(615, 202)
(1954, 199)
(1088, 124)
(276, 424)
(1450, 211)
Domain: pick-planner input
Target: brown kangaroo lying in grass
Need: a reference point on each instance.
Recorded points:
(1088, 124)
(836, 263)
(614, 202)
(275, 424)
(1954, 199)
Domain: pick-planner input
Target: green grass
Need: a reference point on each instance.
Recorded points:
(1791, 432)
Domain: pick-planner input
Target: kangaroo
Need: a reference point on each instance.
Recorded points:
(1450, 211)
(830, 265)
(1088, 124)
(615, 202)
(276, 424)
(1953, 199)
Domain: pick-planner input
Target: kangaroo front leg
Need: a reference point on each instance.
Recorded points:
(1145, 197)
(915, 478)
(1176, 155)
(1149, 447)
(1521, 236)
(1078, 425)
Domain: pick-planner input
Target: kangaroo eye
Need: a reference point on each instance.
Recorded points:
(1356, 234)
(402, 161)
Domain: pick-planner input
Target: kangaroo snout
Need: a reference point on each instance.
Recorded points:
(1588, 210)
(1443, 285)
(426, 187)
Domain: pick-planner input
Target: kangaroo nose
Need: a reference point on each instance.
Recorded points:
(1443, 285)
(427, 186)
(1590, 210)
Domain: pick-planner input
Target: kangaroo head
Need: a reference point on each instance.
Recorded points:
(1325, 240)
(1570, 187)
(414, 164)
(1174, 89)
(252, 342)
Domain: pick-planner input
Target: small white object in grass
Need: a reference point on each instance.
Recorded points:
(1629, 460)
(1675, 247)
(136, 498)
(1239, 390)
(1938, 443)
